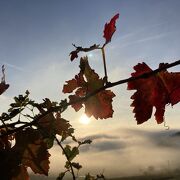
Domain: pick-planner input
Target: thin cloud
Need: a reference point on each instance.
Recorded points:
(17, 68)
(126, 147)
(102, 146)
(135, 138)
(169, 140)
(154, 37)
(14, 67)
(140, 30)
(101, 136)
(158, 36)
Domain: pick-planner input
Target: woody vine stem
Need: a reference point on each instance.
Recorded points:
(108, 85)
(61, 108)
(104, 63)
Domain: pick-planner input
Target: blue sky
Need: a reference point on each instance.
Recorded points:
(36, 38)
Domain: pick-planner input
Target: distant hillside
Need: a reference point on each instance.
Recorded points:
(148, 178)
(160, 177)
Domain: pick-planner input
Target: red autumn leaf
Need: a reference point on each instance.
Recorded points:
(74, 54)
(87, 81)
(110, 28)
(71, 85)
(172, 83)
(76, 106)
(100, 105)
(3, 85)
(156, 91)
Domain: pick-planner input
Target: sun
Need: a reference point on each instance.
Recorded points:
(84, 119)
(90, 55)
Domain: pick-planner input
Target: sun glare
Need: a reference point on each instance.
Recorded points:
(84, 119)
(90, 55)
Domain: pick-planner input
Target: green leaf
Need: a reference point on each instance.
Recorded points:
(67, 133)
(67, 165)
(61, 176)
(71, 153)
(74, 153)
(49, 142)
(76, 165)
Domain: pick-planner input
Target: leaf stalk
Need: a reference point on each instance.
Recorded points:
(104, 63)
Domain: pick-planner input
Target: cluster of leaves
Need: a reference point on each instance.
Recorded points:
(28, 147)
(156, 91)
(87, 81)
(109, 30)
(29, 129)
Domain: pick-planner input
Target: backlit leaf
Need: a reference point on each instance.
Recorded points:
(22, 175)
(52, 124)
(32, 150)
(71, 85)
(71, 152)
(87, 81)
(110, 28)
(156, 91)
(3, 87)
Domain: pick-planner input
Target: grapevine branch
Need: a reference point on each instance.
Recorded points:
(91, 48)
(60, 145)
(108, 85)
(104, 63)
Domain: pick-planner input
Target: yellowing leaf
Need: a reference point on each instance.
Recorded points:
(52, 124)
(100, 105)
(62, 126)
(88, 81)
(33, 151)
(70, 86)
(22, 175)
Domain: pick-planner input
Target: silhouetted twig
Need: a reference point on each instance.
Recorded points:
(108, 85)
